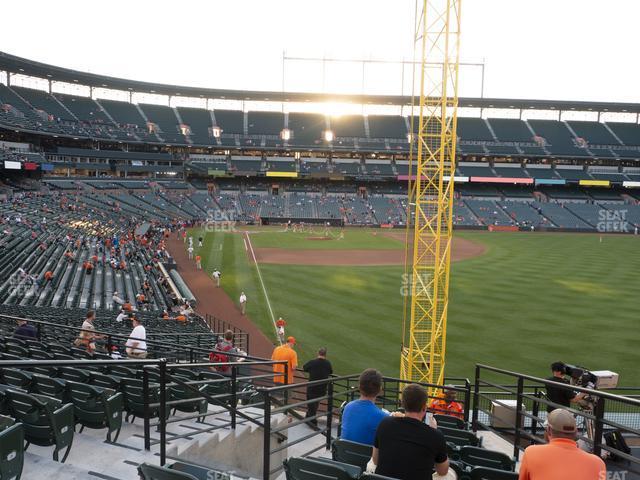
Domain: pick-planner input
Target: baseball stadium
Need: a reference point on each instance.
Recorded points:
(200, 282)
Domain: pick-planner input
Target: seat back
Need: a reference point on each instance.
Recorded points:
(96, 407)
(105, 381)
(449, 421)
(51, 387)
(484, 473)
(46, 420)
(460, 438)
(315, 469)
(12, 452)
(74, 375)
(17, 378)
(153, 472)
(481, 457)
(352, 453)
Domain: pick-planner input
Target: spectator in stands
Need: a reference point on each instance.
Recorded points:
(318, 369)
(560, 459)
(136, 346)
(405, 447)
(216, 276)
(87, 336)
(560, 395)
(223, 347)
(446, 404)
(48, 276)
(117, 299)
(286, 353)
(25, 331)
(243, 303)
(361, 417)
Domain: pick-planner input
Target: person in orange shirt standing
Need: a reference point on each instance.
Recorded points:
(560, 459)
(285, 353)
(198, 262)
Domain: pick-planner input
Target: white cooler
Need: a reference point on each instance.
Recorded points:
(504, 413)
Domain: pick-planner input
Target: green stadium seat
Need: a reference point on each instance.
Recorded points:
(17, 378)
(12, 452)
(134, 400)
(480, 457)
(51, 387)
(374, 476)
(201, 473)
(6, 422)
(97, 408)
(105, 381)
(352, 453)
(484, 473)
(450, 422)
(154, 472)
(460, 438)
(46, 420)
(319, 469)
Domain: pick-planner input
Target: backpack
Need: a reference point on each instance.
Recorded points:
(614, 439)
(218, 357)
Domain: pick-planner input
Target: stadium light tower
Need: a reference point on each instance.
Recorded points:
(430, 205)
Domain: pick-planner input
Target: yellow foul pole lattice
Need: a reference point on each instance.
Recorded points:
(429, 225)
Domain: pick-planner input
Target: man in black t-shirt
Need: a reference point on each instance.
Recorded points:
(561, 396)
(406, 448)
(318, 369)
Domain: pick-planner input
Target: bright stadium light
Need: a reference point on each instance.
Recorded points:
(328, 136)
(410, 137)
(217, 131)
(285, 134)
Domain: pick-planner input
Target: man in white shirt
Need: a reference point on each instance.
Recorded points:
(136, 345)
(190, 251)
(243, 303)
(216, 276)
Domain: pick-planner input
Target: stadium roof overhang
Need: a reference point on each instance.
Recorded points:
(23, 66)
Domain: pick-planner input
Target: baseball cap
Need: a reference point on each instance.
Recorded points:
(561, 420)
(291, 340)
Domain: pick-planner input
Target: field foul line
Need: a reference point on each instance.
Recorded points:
(264, 289)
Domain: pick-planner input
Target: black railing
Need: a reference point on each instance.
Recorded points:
(107, 340)
(291, 400)
(521, 422)
(241, 374)
(216, 324)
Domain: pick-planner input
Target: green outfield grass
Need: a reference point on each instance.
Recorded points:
(530, 300)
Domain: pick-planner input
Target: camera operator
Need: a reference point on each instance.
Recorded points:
(561, 396)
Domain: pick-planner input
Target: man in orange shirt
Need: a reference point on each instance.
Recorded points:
(198, 262)
(560, 459)
(285, 353)
(447, 405)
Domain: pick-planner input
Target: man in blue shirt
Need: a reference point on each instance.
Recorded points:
(361, 417)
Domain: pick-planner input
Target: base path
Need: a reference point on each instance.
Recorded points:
(462, 250)
(215, 301)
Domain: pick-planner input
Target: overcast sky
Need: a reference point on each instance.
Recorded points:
(546, 49)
